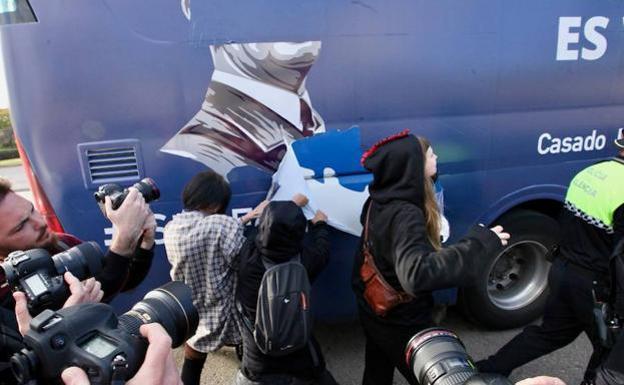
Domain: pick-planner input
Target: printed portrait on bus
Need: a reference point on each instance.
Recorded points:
(256, 101)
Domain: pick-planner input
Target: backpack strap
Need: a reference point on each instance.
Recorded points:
(268, 263)
(244, 317)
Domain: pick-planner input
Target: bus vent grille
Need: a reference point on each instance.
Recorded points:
(110, 162)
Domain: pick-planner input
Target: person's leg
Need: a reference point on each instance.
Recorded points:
(385, 347)
(378, 369)
(193, 365)
(560, 326)
(327, 379)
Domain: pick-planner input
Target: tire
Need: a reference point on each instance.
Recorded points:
(512, 291)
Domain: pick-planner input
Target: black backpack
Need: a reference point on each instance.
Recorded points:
(283, 320)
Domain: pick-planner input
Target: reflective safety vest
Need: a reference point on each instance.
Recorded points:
(596, 192)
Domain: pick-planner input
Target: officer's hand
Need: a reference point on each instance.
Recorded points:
(157, 369)
(81, 292)
(128, 221)
(541, 380)
(503, 236)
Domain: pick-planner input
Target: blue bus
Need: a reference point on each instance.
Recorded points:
(515, 96)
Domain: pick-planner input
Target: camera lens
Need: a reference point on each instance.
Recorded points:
(437, 356)
(147, 187)
(171, 305)
(83, 261)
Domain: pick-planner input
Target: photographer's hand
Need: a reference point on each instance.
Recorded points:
(128, 221)
(158, 367)
(541, 380)
(149, 232)
(81, 292)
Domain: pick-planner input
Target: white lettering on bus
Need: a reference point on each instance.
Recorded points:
(547, 144)
(597, 43)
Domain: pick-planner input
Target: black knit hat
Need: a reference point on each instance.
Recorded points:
(620, 142)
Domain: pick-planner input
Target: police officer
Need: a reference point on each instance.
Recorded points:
(592, 224)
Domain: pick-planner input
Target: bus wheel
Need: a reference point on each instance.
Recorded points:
(513, 290)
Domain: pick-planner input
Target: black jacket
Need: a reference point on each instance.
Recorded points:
(280, 238)
(399, 242)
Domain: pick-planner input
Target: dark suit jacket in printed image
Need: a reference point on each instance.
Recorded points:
(256, 100)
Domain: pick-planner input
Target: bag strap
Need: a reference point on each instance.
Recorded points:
(366, 244)
(403, 296)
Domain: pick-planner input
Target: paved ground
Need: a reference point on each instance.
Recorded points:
(343, 345)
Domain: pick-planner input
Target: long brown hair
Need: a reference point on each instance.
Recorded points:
(432, 211)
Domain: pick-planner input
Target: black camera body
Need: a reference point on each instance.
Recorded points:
(92, 337)
(40, 275)
(147, 187)
(438, 357)
(88, 336)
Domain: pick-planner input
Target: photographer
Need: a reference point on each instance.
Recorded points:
(24, 228)
(158, 367)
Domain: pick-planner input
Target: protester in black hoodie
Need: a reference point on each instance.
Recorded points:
(279, 238)
(404, 241)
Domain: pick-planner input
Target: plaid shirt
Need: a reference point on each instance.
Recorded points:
(203, 252)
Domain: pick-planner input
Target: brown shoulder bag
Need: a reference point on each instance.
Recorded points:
(377, 292)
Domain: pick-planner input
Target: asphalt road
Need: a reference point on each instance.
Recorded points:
(343, 344)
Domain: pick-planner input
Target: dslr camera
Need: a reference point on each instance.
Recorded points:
(110, 349)
(438, 357)
(147, 187)
(40, 275)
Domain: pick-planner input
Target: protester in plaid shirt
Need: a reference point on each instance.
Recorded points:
(202, 246)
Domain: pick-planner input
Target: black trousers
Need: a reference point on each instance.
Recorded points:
(385, 347)
(568, 313)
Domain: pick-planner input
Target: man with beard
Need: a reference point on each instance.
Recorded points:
(23, 228)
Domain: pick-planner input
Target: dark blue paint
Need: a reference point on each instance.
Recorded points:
(478, 78)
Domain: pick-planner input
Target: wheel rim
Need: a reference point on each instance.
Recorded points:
(519, 275)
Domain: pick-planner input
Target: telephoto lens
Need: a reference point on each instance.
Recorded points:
(438, 357)
(170, 305)
(83, 261)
